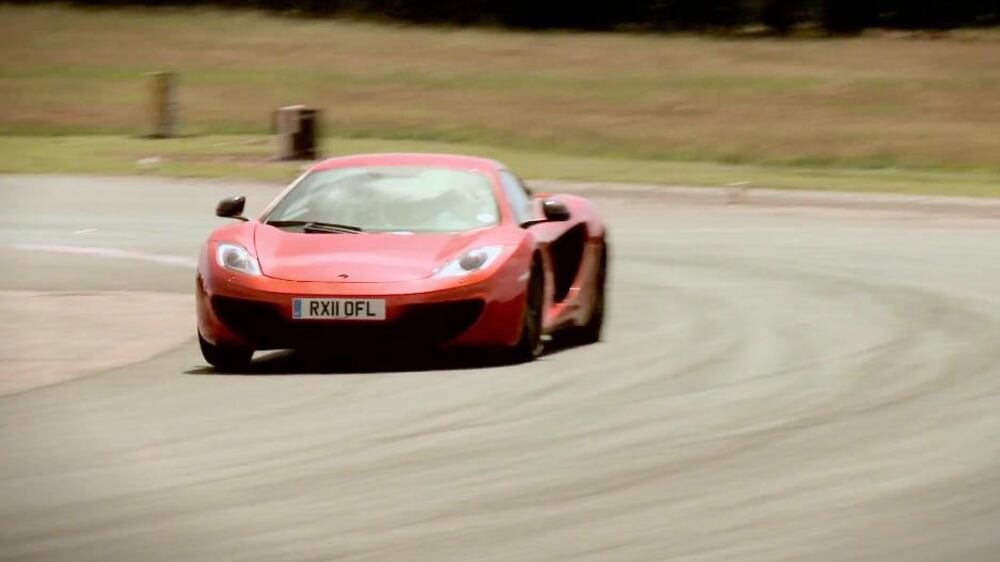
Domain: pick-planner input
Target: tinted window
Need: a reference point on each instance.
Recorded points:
(392, 198)
(517, 196)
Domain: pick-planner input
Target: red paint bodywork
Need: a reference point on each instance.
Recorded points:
(398, 268)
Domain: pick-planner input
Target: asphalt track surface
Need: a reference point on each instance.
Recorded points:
(777, 383)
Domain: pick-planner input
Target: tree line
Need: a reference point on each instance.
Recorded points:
(778, 16)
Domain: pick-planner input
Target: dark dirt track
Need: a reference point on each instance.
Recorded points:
(778, 383)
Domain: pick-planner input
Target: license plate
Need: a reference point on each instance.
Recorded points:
(338, 309)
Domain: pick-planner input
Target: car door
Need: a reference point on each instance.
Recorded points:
(562, 243)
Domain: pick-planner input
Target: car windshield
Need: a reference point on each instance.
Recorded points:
(391, 199)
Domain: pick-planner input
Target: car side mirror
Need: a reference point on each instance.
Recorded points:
(231, 207)
(553, 210)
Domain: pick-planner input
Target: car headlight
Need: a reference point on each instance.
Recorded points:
(236, 258)
(473, 260)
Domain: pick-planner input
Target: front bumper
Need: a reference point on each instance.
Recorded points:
(264, 325)
(482, 310)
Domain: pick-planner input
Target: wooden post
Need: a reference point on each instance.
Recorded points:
(164, 104)
(297, 131)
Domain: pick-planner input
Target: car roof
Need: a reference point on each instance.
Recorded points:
(411, 159)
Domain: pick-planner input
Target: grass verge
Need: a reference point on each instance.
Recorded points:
(876, 101)
(247, 157)
(874, 113)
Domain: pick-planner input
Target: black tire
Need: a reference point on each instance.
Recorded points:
(591, 331)
(225, 358)
(530, 346)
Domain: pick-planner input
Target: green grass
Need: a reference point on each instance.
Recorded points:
(248, 157)
(880, 112)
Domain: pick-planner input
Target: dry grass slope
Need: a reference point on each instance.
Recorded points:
(868, 102)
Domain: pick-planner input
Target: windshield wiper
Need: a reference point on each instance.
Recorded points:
(330, 227)
(317, 226)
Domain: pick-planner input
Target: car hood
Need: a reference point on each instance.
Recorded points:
(359, 258)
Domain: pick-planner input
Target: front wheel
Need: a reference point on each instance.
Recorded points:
(529, 347)
(225, 358)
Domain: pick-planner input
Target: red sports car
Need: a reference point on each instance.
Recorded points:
(414, 251)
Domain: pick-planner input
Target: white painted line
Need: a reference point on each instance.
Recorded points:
(118, 253)
(85, 231)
